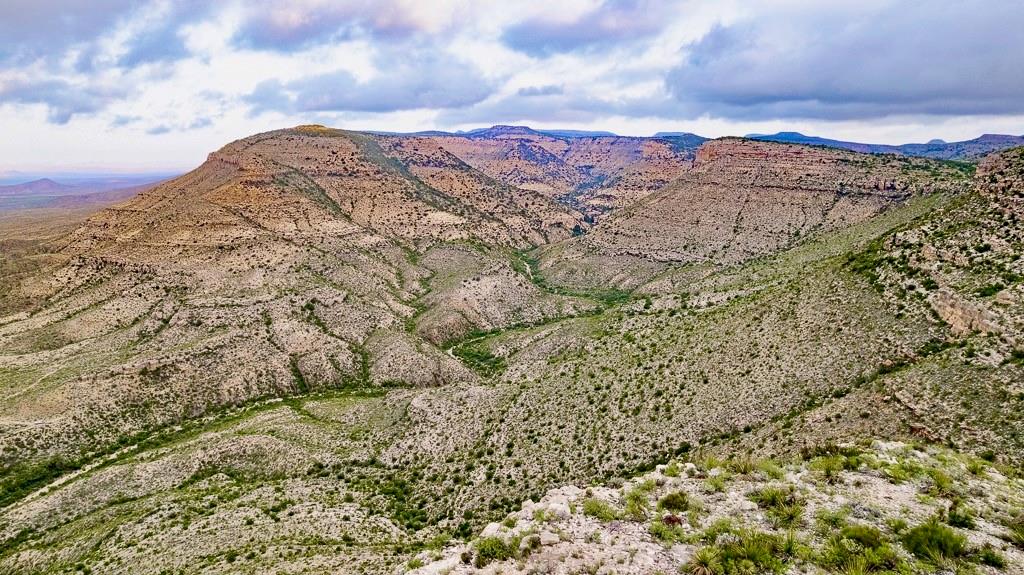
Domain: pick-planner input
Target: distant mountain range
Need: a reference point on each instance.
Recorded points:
(935, 149)
(967, 150)
(83, 179)
(19, 190)
(48, 193)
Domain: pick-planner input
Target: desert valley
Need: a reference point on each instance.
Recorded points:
(327, 350)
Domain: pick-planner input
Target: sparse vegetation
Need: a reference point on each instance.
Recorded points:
(368, 399)
(933, 541)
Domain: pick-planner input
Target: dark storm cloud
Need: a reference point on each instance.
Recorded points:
(611, 23)
(848, 59)
(123, 120)
(406, 84)
(63, 99)
(160, 43)
(540, 91)
(559, 106)
(905, 58)
(32, 29)
(277, 26)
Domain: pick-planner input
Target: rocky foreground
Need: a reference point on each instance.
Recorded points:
(888, 508)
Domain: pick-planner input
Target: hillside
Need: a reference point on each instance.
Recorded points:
(156, 301)
(878, 507)
(329, 351)
(742, 199)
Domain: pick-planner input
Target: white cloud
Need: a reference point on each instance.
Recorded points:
(162, 84)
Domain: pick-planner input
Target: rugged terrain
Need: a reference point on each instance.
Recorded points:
(740, 200)
(328, 351)
(884, 507)
(594, 174)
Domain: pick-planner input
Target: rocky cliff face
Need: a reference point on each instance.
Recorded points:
(743, 199)
(594, 174)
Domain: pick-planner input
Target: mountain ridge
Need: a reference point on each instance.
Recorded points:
(937, 149)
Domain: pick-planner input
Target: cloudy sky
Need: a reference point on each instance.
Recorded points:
(156, 85)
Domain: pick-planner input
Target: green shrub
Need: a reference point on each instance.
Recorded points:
(793, 546)
(490, 549)
(976, 467)
(636, 500)
(783, 507)
(667, 533)
(771, 469)
(676, 502)
(987, 555)
(933, 541)
(672, 469)
(599, 509)
(989, 290)
(754, 551)
(704, 561)
(742, 465)
(769, 497)
(903, 471)
(865, 535)
(829, 520)
(744, 551)
(960, 516)
(1016, 527)
(478, 357)
(898, 525)
(859, 549)
(719, 527)
(942, 483)
(716, 484)
(829, 467)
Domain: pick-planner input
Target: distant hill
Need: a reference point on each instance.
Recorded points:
(682, 139)
(500, 130)
(935, 149)
(578, 133)
(47, 193)
(41, 186)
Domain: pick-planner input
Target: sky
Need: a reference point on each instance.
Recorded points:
(135, 85)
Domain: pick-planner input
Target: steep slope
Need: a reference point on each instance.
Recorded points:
(286, 263)
(742, 199)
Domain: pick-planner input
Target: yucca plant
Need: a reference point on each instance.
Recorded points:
(705, 561)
